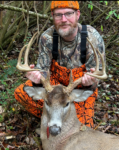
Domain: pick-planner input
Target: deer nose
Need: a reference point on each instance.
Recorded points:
(54, 130)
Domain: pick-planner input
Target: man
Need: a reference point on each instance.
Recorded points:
(68, 57)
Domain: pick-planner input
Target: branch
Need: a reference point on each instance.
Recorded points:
(101, 14)
(44, 5)
(3, 32)
(7, 40)
(14, 35)
(27, 24)
(48, 8)
(111, 37)
(25, 11)
(37, 18)
(100, 10)
(1, 16)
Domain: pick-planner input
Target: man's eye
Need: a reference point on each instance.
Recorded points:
(58, 15)
(68, 14)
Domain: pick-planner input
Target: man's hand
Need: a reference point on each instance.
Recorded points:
(34, 76)
(89, 80)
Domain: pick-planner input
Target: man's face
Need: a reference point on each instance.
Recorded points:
(65, 24)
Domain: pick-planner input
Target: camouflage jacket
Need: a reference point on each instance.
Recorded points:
(69, 52)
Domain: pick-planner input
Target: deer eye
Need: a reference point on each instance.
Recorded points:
(67, 104)
(46, 102)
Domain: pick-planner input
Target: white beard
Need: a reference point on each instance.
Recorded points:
(66, 33)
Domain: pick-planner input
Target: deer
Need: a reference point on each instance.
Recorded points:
(60, 127)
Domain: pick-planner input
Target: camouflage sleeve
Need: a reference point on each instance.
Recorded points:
(98, 43)
(45, 52)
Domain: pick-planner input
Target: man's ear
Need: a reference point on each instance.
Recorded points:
(78, 95)
(78, 14)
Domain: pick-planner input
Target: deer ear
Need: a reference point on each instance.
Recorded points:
(78, 95)
(35, 92)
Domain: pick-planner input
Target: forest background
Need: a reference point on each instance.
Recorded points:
(19, 21)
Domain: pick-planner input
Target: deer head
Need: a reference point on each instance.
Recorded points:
(58, 98)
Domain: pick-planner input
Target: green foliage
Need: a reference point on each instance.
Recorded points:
(112, 12)
(9, 127)
(9, 71)
(90, 6)
(6, 80)
(106, 3)
(102, 27)
(27, 39)
(1, 118)
(117, 92)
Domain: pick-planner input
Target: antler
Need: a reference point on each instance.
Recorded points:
(46, 81)
(25, 67)
(97, 74)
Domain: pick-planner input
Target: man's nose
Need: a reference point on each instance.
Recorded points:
(63, 18)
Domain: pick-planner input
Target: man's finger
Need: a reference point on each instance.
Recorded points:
(32, 66)
(92, 69)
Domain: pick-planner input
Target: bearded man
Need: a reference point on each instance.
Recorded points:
(60, 55)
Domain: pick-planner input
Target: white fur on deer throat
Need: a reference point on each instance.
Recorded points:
(56, 114)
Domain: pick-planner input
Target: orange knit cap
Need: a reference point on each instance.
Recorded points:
(64, 4)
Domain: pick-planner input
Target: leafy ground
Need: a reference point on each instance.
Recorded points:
(17, 127)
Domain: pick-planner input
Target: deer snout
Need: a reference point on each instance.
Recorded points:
(54, 130)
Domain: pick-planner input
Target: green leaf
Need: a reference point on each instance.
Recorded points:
(114, 105)
(109, 93)
(106, 2)
(114, 10)
(111, 12)
(91, 7)
(118, 16)
(115, 14)
(117, 92)
(107, 98)
(101, 27)
(107, 17)
(103, 123)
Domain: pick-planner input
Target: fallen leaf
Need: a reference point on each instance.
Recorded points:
(83, 127)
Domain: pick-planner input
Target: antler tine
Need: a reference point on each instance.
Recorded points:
(46, 82)
(25, 67)
(97, 62)
(98, 74)
(72, 84)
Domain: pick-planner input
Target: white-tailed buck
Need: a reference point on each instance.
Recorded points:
(60, 127)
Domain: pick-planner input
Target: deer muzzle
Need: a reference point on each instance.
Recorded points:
(54, 130)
